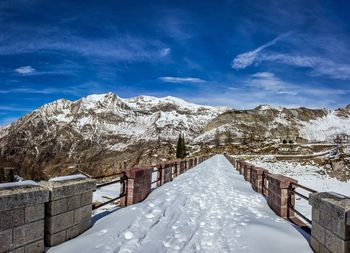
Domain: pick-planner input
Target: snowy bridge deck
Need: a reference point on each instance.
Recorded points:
(207, 209)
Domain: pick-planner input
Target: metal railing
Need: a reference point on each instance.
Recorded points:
(123, 180)
(292, 192)
(157, 170)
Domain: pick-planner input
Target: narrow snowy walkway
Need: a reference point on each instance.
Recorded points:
(207, 209)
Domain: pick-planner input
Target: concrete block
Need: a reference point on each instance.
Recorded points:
(78, 229)
(28, 233)
(315, 245)
(86, 198)
(73, 202)
(56, 239)
(35, 247)
(64, 189)
(5, 240)
(21, 196)
(318, 232)
(82, 213)
(11, 218)
(56, 207)
(59, 222)
(18, 250)
(315, 214)
(335, 244)
(34, 213)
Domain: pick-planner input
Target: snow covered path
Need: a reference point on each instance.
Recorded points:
(207, 209)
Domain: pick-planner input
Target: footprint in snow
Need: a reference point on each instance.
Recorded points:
(128, 235)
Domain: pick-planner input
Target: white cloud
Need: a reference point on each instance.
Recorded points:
(25, 70)
(165, 52)
(244, 60)
(172, 79)
(320, 66)
(272, 84)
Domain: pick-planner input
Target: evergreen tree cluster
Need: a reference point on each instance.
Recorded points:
(181, 147)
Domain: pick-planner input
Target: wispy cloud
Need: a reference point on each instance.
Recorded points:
(25, 70)
(14, 109)
(319, 66)
(173, 79)
(269, 82)
(119, 47)
(246, 59)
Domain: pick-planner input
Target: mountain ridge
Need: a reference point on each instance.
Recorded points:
(103, 133)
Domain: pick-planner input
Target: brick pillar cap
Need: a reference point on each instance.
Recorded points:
(131, 173)
(284, 181)
(259, 170)
(323, 199)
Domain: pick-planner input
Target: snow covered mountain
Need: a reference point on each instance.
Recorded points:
(101, 134)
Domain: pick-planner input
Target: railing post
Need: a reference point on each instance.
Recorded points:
(178, 167)
(330, 230)
(160, 168)
(138, 185)
(247, 171)
(278, 194)
(257, 178)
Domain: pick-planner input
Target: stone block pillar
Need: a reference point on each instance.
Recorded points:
(182, 166)
(278, 196)
(138, 185)
(242, 168)
(247, 171)
(22, 213)
(195, 161)
(330, 230)
(257, 178)
(68, 212)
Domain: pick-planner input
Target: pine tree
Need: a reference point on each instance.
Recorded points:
(217, 138)
(179, 147)
(183, 147)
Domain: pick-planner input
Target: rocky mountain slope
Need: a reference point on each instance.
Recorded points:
(98, 133)
(101, 134)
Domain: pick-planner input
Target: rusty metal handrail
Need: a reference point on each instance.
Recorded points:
(292, 191)
(124, 180)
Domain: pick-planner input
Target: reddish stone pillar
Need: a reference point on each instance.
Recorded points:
(182, 166)
(256, 177)
(138, 185)
(278, 196)
(242, 168)
(247, 171)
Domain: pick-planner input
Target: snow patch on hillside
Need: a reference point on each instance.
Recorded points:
(325, 128)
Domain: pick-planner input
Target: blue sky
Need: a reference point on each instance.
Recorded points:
(235, 53)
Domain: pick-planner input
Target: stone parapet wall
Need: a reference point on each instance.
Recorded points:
(257, 177)
(330, 231)
(330, 222)
(278, 196)
(68, 211)
(22, 213)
